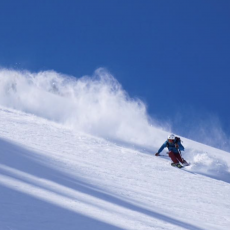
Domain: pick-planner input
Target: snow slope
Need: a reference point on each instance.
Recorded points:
(79, 154)
(55, 178)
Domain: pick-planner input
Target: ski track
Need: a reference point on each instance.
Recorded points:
(52, 177)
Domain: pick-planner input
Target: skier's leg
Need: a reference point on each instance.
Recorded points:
(173, 157)
(179, 158)
(182, 160)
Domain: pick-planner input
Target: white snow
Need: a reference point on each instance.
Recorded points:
(58, 172)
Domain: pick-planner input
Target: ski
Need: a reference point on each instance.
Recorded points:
(182, 165)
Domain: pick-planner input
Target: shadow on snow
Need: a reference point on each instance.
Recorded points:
(25, 212)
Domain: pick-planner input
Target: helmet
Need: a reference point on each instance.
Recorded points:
(171, 137)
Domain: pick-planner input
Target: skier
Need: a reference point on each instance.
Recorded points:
(174, 146)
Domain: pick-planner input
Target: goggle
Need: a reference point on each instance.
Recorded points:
(169, 140)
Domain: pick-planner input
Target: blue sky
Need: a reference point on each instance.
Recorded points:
(174, 55)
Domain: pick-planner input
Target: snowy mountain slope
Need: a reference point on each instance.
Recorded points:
(54, 177)
(85, 160)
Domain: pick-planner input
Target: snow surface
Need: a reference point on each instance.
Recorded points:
(62, 170)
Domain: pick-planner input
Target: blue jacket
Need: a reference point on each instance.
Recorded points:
(171, 147)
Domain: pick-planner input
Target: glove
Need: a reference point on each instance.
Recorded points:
(176, 146)
(157, 154)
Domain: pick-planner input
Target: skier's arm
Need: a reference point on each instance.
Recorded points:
(181, 147)
(161, 148)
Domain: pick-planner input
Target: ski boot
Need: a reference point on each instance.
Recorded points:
(178, 165)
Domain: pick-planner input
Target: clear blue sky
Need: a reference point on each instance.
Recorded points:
(174, 55)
